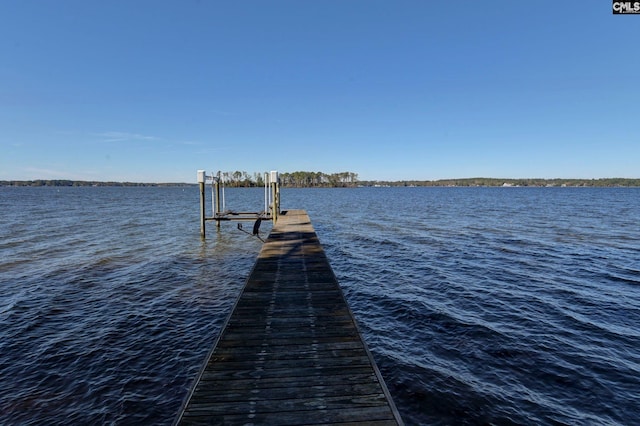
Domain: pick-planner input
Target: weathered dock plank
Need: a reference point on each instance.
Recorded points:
(290, 353)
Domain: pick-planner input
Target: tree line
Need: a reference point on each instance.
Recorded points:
(303, 179)
(236, 178)
(319, 179)
(299, 179)
(532, 182)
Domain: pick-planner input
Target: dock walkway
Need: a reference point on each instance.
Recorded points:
(290, 353)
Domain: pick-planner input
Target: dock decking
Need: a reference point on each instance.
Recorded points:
(290, 353)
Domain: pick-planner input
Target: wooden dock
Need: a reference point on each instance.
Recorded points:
(290, 353)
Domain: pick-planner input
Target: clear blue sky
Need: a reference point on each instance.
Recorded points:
(151, 91)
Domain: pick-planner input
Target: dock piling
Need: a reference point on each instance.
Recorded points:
(275, 187)
(217, 212)
(201, 182)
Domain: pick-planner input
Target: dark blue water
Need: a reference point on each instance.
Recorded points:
(480, 305)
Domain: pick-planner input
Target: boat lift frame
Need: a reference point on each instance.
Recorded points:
(219, 213)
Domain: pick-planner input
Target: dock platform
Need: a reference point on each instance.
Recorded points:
(290, 353)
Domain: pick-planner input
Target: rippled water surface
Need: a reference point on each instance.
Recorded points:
(480, 305)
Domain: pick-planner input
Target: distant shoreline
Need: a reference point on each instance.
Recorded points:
(464, 182)
(82, 183)
(527, 182)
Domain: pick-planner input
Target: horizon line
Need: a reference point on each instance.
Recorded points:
(359, 180)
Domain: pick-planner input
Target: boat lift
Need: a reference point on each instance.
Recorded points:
(218, 206)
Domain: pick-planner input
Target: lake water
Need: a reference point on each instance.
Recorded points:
(480, 305)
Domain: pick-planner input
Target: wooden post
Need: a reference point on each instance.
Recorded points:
(275, 189)
(277, 196)
(201, 178)
(217, 212)
(266, 193)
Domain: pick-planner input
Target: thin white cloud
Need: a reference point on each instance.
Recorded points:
(221, 113)
(125, 136)
(43, 173)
